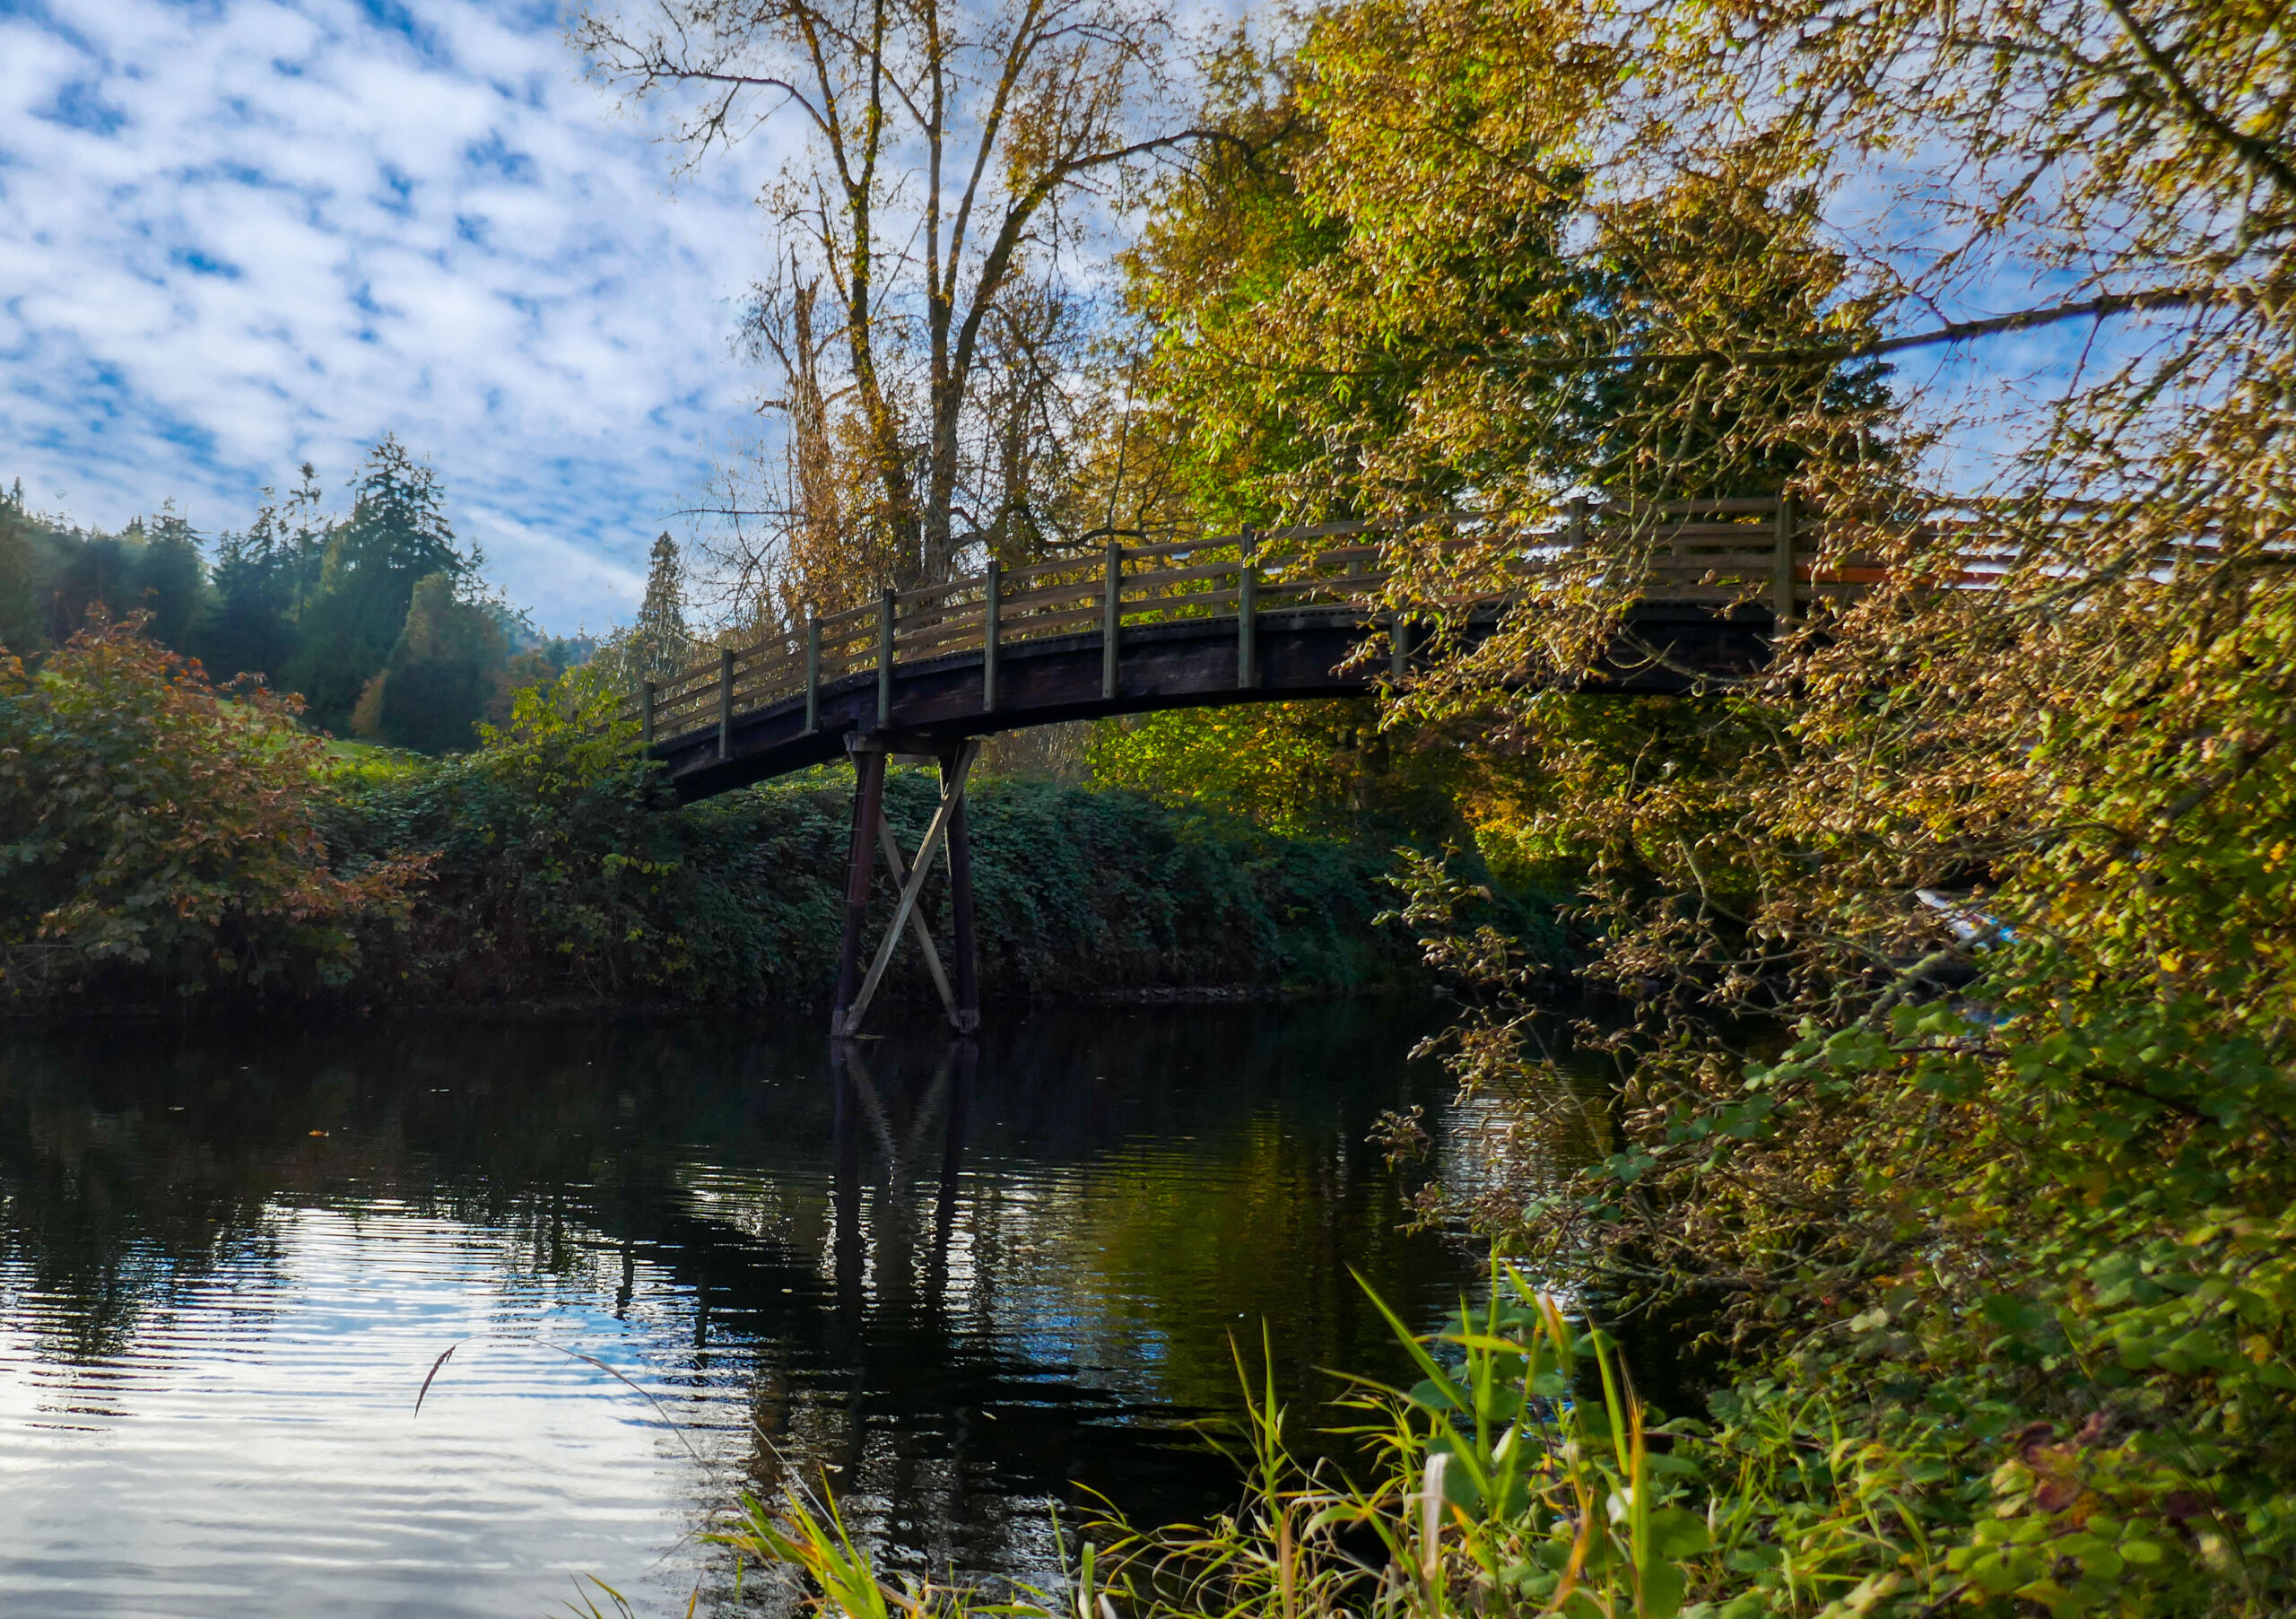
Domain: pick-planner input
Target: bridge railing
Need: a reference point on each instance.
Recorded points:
(1708, 552)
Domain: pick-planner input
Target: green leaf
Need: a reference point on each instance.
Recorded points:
(1661, 1590)
(1677, 1534)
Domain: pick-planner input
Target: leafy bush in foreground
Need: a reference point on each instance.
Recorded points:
(156, 830)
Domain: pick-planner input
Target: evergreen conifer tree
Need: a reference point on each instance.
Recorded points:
(19, 574)
(446, 670)
(170, 581)
(396, 535)
(88, 572)
(659, 644)
(306, 530)
(251, 628)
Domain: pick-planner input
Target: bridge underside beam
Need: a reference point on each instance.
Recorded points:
(1191, 663)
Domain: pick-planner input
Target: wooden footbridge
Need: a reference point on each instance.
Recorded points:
(1283, 615)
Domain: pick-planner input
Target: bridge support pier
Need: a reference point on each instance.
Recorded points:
(966, 1011)
(860, 860)
(855, 989)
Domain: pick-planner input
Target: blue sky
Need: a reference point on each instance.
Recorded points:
(238, 234)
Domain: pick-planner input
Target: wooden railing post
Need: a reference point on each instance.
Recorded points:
(886, 659)
(1111, 616)
(812, 675)
(1782, 576)
(1398, 648)
(645, 711)
(991, 589)
(724, 703)
(1247, 609)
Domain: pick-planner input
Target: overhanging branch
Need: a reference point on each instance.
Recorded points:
(1823, 353)
(1952, 331)
(1962, 331)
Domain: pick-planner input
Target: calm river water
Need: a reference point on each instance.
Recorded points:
(227, 1262)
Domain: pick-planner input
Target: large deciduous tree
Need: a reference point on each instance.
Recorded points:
(1999, 851)
(943, 163)
(1421, 278)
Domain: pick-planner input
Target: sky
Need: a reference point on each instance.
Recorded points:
(236, 235)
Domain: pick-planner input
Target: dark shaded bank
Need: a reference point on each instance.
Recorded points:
(606, 896)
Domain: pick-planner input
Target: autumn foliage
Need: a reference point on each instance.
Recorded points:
(158, 830)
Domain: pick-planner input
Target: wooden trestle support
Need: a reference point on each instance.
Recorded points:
(872, 751)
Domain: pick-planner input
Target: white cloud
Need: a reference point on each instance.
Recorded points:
(238, 236)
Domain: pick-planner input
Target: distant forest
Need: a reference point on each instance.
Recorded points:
(380, 618)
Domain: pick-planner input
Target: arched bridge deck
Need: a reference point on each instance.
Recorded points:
(1243, 618)
(1188, 663)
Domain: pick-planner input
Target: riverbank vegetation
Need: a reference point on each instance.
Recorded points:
(176, 845)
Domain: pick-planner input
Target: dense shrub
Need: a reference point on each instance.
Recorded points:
(157, 834)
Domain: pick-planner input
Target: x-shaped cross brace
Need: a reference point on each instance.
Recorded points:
(900, 1155)
(911, 883)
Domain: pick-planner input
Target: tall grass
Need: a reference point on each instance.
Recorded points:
(1497, 1484)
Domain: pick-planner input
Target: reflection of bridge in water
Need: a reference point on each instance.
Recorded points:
(875, 1372)
(1291, 614)
(932, 1342)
